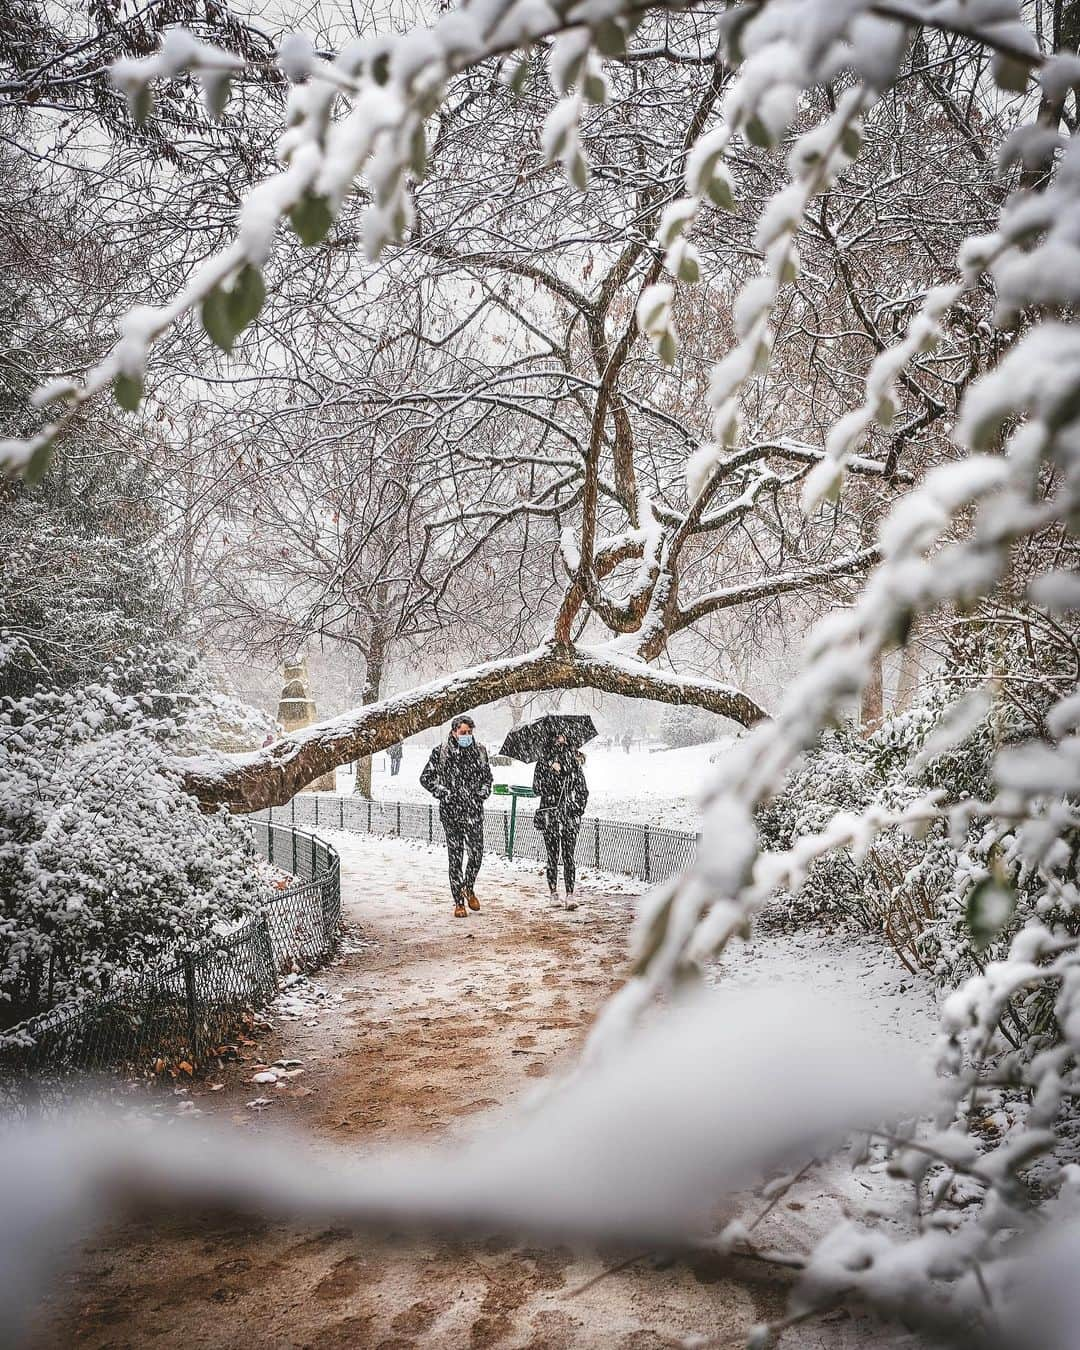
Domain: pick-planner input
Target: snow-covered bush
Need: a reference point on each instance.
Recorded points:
(917, 892)
(104, 861)
(836, 776)
(682, 725)
(910, 891)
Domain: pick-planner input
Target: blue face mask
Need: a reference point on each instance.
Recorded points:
(464, 741)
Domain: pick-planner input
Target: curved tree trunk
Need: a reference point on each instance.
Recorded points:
(270, 777)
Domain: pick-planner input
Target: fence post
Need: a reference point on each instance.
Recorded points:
(596, 840)
(341, 809)
(513, 828)
(270, 985)
(270, 844)
(188, 965)
(369, 815)
(316, 808)
(294, 852)
(648, 868)
(399, 820)
(292, 801)
(430, 824)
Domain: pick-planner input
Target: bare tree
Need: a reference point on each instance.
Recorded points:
(579, 448)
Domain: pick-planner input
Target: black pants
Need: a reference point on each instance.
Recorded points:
(395, 764)
(461, 834)
(560, 837)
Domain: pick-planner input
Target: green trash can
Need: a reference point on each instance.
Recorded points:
(512, 791)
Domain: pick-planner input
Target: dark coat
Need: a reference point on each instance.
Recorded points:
(563, 790)
(459, 778)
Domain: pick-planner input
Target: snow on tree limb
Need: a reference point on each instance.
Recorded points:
(271, 776)
(393, 84)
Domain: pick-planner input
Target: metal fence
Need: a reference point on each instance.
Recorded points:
(628, 848)
(182, 1008)
(303, 921)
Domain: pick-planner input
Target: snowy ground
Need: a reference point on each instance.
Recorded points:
(432, 1027)
(661, 787)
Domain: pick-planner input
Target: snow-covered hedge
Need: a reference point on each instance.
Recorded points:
(911, 891)
(104, 861)
(921, 891)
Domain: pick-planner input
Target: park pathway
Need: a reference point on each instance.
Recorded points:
(425, 1026)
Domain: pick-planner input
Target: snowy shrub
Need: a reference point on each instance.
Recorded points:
(901, 888)
(80, 584)
(917, 891)
(104, 861)
(683, 725)
(835, 776)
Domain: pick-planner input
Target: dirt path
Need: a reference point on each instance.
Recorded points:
(425, 1023)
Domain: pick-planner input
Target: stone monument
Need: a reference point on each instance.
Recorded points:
(296, 709)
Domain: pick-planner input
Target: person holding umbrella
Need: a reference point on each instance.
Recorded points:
(552, 742)
(559, 782)
(459, 776)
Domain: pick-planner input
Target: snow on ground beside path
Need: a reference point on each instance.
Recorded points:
(661, 787)
(863, 979)
(847, 968)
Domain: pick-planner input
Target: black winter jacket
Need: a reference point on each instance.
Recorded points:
(563, 789)
(459, 778)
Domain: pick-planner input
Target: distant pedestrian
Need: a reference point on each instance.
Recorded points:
(459, 776)
(559, 782)
(627, 741)
(395, 752)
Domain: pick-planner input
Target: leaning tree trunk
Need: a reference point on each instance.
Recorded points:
(269, 777)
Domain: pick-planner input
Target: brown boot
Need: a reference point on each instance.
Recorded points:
(460, 912)
(470, 896)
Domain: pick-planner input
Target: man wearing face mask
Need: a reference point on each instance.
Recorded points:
(459, 776)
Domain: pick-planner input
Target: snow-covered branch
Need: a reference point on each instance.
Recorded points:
(271, 776)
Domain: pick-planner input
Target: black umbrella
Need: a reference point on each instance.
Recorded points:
(534, 739)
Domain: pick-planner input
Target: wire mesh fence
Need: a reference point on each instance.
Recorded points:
(626, 848)
(302, 921)
(182, 1008)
